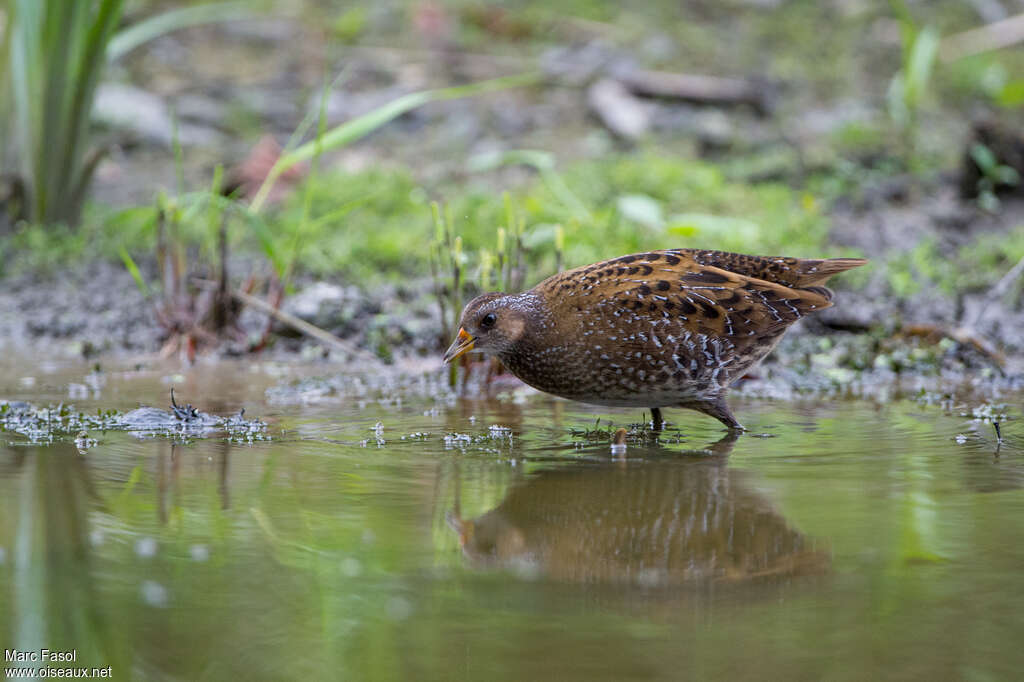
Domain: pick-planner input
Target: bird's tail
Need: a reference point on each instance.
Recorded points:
(815, 272)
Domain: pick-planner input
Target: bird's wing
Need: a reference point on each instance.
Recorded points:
(790, 272)
(674, 290)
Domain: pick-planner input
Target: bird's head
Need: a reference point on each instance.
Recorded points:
(491, 323)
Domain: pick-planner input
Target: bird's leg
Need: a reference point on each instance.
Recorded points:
(718, 409)
(656, 421)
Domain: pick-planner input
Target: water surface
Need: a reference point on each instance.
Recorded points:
(489, 539)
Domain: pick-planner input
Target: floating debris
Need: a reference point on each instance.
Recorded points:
(639, 433)
(457, 440)
(991, 413)
(83, 442)
(45, 425)
(498, 431)
(497, 435)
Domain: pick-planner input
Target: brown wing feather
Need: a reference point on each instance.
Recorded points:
(683, 289)
(793, 272)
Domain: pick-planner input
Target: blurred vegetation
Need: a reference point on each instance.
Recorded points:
(374, 225)
(54, 54)
(635, 201)
(52, 58)
(926, 266)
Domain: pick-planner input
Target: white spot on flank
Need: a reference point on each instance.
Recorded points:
(679, 365)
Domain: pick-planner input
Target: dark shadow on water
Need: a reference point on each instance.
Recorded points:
(658, 517)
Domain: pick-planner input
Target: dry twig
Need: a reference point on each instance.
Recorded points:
(306, 328)
(992, 36)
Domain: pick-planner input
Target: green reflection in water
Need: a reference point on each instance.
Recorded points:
(55, 602)
(856, 543)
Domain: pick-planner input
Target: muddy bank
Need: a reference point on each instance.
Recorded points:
(96, 311)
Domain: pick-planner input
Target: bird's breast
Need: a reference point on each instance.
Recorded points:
(629, 367)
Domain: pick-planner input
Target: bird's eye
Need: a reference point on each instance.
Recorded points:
(488, 320)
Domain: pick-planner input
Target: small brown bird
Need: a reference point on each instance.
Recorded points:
(661, 329)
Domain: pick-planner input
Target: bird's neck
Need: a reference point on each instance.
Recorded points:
(531, 353)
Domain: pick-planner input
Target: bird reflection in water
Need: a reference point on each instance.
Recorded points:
(661, 518)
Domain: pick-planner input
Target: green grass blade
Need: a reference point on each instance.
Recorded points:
(6, 108)
(359, 127)
(340, 212)
(919, 66)
(25, 62)
(133, 269)
(61, 28)
(268, 242)
(75, 125)
(142, 32)
(307, 198)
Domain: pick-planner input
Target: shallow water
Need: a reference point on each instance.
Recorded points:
(840, 540)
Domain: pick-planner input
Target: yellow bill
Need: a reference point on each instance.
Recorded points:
(462, 344)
